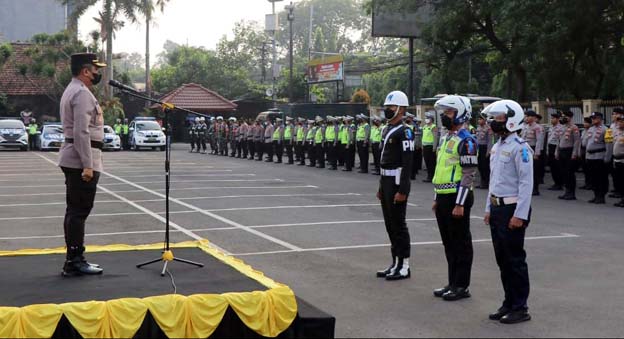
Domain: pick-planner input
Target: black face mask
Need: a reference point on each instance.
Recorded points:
(97, 77)
(389, 113)
(498, 127)
(563, 120)
(447, 122)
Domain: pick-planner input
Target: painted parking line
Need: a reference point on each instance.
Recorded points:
(156, 182)
(423, 243)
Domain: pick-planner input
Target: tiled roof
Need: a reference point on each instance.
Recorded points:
(198, 98)
(13, 83)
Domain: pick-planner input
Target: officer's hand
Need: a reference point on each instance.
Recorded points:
(516, 223)
(434, 206)
(486, 219)
(87, 174)
(399, 198)
(379, 195)
(458, 212)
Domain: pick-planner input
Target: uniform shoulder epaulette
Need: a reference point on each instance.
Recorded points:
(464, 133)
(520, 141)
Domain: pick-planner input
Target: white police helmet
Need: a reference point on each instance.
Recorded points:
(460, 104)
(513, 111)
(396, 98)
(197, 119)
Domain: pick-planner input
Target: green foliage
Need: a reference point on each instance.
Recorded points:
(5, 109)
(113, 110)
(361, 96)
(5, 52)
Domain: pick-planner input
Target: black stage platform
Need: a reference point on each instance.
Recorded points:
(35, 279)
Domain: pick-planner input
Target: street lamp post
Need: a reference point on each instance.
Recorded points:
(291, 18)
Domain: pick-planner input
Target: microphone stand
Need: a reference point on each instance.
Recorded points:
(167, 108)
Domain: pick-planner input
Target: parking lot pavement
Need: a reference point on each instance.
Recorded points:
(322, 233)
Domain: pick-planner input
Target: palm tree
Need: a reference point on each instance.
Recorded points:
(110, 20)
(148, 11)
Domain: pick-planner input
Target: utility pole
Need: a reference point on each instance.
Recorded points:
(291, 18)
(410, 87)
(263, 56)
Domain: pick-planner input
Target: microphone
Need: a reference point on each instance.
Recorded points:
(121, 86)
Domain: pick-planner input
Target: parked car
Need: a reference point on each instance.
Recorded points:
(146, 133)
(13, 134)
(271, 115)
(50, 138)
(112, 141)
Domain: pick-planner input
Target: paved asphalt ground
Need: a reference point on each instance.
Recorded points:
(321, 232)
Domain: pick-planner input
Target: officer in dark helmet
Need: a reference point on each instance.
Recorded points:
(80, 157)
(397, 147)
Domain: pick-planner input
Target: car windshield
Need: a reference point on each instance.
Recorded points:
(148, 126)
(108, 130)
(11, 124)
(53, 130)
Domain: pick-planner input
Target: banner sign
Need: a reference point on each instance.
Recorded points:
(326, 69)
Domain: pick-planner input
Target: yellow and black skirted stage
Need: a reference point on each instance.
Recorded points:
(225, 298)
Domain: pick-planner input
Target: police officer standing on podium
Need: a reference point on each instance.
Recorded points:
(508, 207)
(394, 186)
(80, 158)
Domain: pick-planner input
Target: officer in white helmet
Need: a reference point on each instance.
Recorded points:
(508, 207)
(397, 147)
(193, 134)
(453, 185)
(202, 130)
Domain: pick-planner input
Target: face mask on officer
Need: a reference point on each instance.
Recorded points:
(427, 121)
(96, 77)
(389, 113)
(498, 126)
(447, 121)
(564, 120)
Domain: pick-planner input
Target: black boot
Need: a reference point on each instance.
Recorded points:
(400, 271)
(515, 317)
(501, 312)
(439, 292)
(619, 204)
(76, 265)
(456, 294)
(384, 273)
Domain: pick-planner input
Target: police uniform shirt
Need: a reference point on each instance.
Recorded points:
(268, 133)
(571, 139)
(596, 148)
(616, 146)
(555, 133)
(533, 134)
(397, 147)
(511, 165)
(485, 136)
(82, 120)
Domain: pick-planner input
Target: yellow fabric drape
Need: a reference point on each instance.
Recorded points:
(268, 312)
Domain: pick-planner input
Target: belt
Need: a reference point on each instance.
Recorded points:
(390, 172)
(496, 201)
(618, 157)
(445, 186)
(600, 150)
(94, 144)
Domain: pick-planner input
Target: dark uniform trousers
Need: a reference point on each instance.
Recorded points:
(394, 218)
(299, 149)
(585, 169)
(538, 168)
(555, 166)
(340, 153)
(456, 238)
(331, 153)
(252, 148)
(363, 155)
(202, 141)
(510, 256)
(569, 166)
(320, 155)
(376, 155)
(484, 165)
(349, 156)
(279, 150)
(430, 160)
(124, 142)
(618, 177)
(192, 137)
(80, 197)
(311, 153)
(245, 144)
(598, 177)
(289, 151)
(259, 149)
(417, 162)
(270, 148)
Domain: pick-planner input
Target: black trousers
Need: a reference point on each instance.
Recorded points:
(32, 142)
(618, 177)
(417, 165)
(429, 156)
(456, 238)
(251, 145)
(223, 147)
(349, 156)
(289, 151)
(300, 151)
(510, 256)
(279, 150)
(320, 155)
(363, 152)
(330, 149)
(124, 142)
(376, 156)
(269, 147)
(394, 218)
(259, 149)
(201, 142)
(484, 165)
(193, 143)
(555, 166)
(80, 196)
(311, 150)
(538, 167)
(340, 153)
(569, 167)
(598, 176)
(245, 145)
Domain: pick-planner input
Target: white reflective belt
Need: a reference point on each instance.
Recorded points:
(396, 173)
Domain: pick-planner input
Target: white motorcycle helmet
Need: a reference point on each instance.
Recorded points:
(513, 111)
(459, 104)
(395, 98)
(197, 119)
(202, 119)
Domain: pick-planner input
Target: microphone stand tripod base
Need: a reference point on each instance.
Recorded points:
(168, 256)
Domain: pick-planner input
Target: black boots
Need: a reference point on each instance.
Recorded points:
(384, 273)
(456, 294)
(76, 265)
(400, 271)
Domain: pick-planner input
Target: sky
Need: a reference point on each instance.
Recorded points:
(196, 22)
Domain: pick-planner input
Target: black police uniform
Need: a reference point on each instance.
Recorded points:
(396, 155)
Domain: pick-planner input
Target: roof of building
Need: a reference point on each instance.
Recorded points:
(198, 98)
(14, 83)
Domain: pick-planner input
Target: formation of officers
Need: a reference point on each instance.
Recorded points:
(335, 142)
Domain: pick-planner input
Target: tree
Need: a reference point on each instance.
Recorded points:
(148, 9)
(110, 21)
(361, 96)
